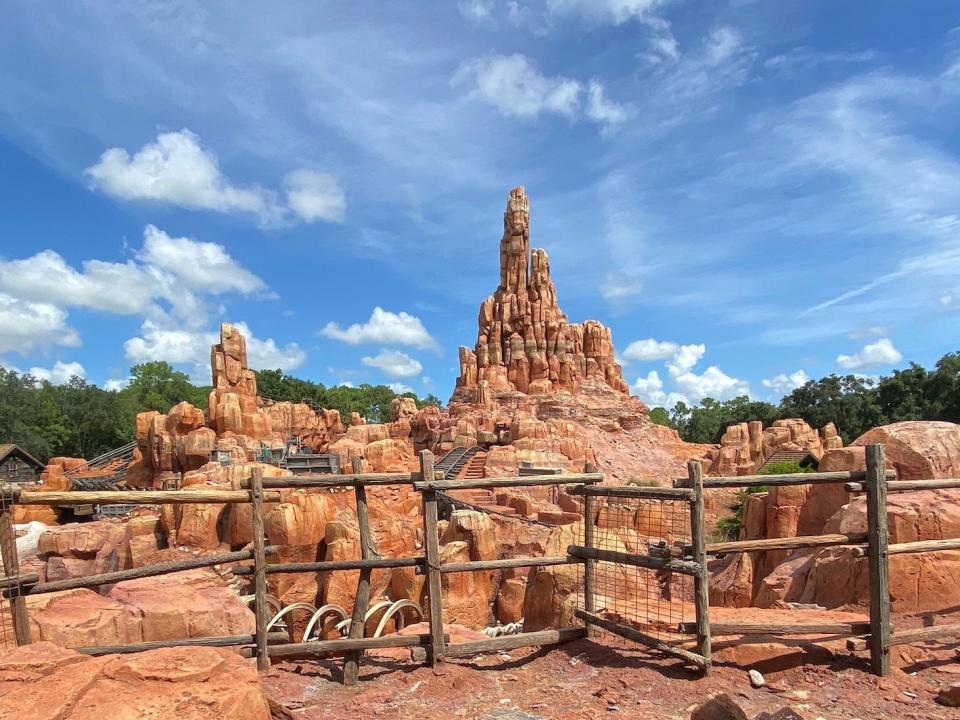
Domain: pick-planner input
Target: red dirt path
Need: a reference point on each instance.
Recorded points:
(587, 680)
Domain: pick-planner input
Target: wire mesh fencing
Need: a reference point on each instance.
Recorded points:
(652, 601)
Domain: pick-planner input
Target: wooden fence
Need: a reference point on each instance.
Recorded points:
(434, 646)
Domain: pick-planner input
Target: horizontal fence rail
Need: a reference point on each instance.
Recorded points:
(527, 480)
(816, 478)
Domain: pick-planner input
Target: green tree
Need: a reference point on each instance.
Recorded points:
(848, 401)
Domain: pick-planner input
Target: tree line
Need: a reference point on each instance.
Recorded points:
(79, 419)
(853, 403)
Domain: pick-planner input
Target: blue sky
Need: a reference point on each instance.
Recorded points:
(748, 193)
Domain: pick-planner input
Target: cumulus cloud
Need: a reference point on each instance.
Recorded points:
(27, 325)
(399, 388)
(610, 11)
(882, 352)
(116, 384)
(394, 364)
(688, 386)
(384, 327)
(515, 86)
(783, 384)
(204, 266)
(179, 346)
(601, 109)
(315, 196)
(60, 373)
(176, 169)
(37, 292)
(476, 10)
(650, 349)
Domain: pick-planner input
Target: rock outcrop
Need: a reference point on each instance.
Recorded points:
(188, 683)
(525, 342)
(744, 447)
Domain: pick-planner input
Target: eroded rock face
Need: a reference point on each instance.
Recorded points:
(745, 446)
(525, 342)
(189, 683)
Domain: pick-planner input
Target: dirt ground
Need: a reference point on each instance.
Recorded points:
(585, 679)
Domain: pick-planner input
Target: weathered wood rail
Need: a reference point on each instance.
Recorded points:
(434, 646)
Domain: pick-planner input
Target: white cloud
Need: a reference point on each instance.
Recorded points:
(713, 383)
(946, 301)
(782, 384)
(514, 85)
(26, 325)
(650, 349)
(685, 358)
(116, 384)
(399, 388)
(617, 286)
(601, 109)
(192, 348)
(315, 196)
(203, 266)
(611, 11)
(384, 327)
(60, 373)
(721, 45)
(176, 169)
(882, 352)
(394, 364)
(476, 10)
(868, 331)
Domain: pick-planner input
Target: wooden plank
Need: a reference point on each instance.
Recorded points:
(816, 478)
(685, 567)
(802, 541)
(218, 641)
(343, 645)
(418, 561)
(907, 637)
(431, 539)
(920, 546)
(361, 601)
(260, 565)
(785, 628)
(701, 580)
(11, 565)
(95, 581)
(633, 634)
(139, 497)
(508, 642)
(307, 480)
(529, 480)
(19, 580)
(876, 484)
(653, 493)
(509, 563)
(589, 538)
(907, 485)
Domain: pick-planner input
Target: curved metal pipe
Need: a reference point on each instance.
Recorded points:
(289, 608)
(394, 609)
(324, 610)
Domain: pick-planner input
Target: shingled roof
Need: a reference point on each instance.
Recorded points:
(7, 449)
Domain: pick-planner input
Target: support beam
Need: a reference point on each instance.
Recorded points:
(633, 634)
(138, 497)
(785, 628)
(908, 485)
(11, 566)
(260, 566)
(701, 580)
(343, 645)
(333, 565)
(590, 566)
(431, 539)
(645, 561)
(816, 478)
(326, 480)
(512, 481)
(920, 546)
(509, 563)
(218, 641)
(508, 642)
(876, 485)
(908, 637)
(630, 491)
(802, 541)
(351, 663)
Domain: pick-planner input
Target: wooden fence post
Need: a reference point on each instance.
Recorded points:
(260, 568)
(11, 567)
(351, 662)
(701, 581)
(875, 485)
(431, 541)
(589, 566)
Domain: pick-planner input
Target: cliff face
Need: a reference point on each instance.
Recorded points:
(524, 341)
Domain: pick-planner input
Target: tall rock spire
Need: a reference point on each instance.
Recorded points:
(524, 341)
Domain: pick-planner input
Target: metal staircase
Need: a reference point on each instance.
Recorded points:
(452, 462)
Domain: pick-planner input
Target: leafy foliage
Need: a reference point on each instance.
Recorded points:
(853, 403)
(79, 419)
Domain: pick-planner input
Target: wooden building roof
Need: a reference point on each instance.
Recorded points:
(8, 449)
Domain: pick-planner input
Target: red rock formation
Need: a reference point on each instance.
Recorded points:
(188, 683)
(744, 447)
(525, 342)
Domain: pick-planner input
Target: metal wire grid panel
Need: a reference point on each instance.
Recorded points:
(654, 602)
(8, 639)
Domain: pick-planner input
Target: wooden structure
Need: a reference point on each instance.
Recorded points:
(684, 561)
(17, 466)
